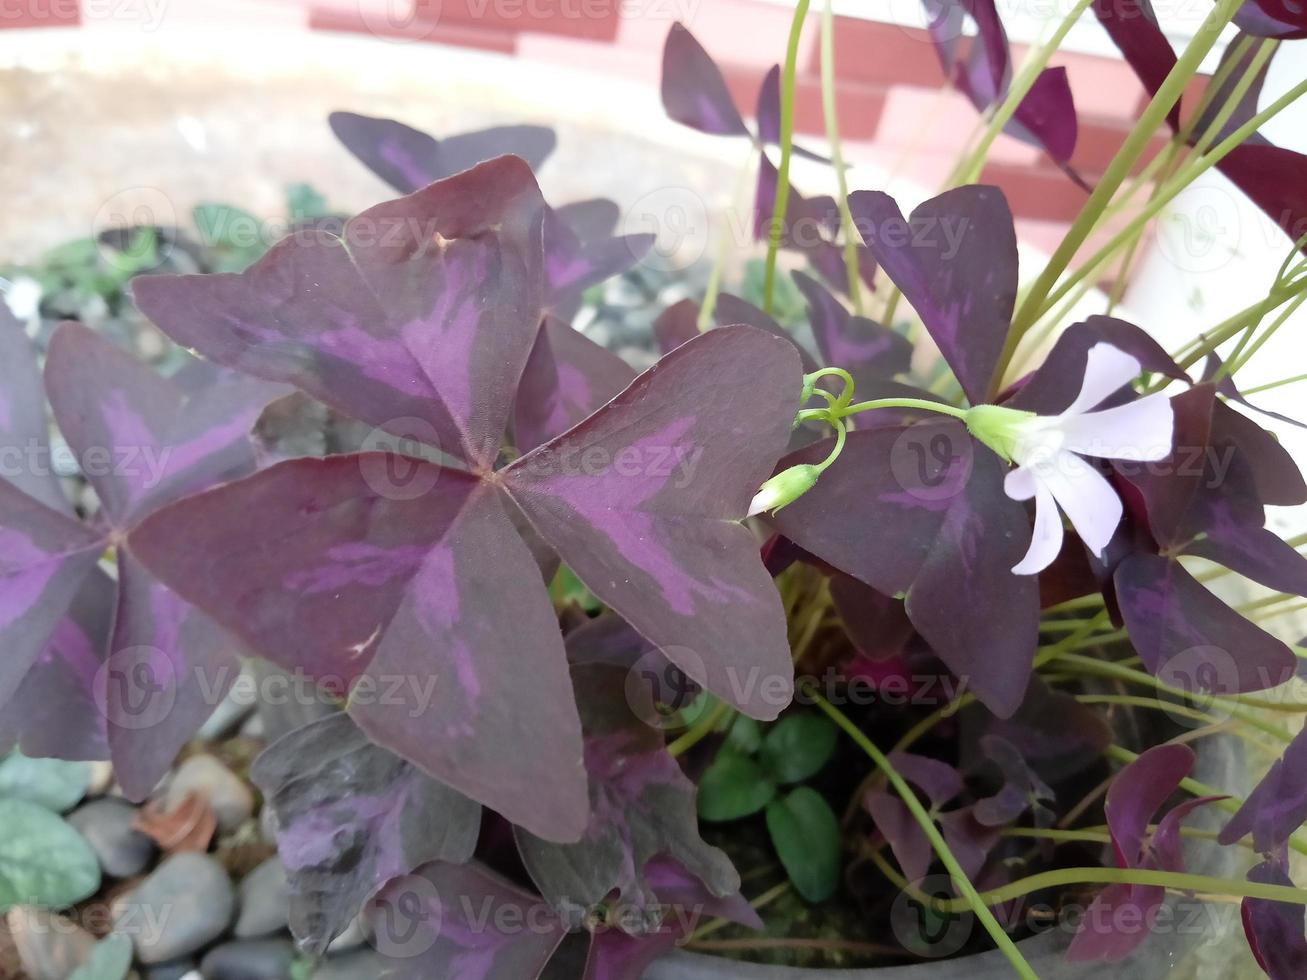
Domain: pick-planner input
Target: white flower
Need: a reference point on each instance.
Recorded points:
(1048, 451)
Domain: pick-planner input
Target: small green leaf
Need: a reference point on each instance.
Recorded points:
(745, 735)
(304, 202)
(53, 783)
(798, 746)
(109, 959)
(43, 861)
(235, 236)
(733, 787)
(806, 835)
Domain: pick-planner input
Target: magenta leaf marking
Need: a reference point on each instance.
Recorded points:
(169, 666)
(141, 439)
(693, 90)
(64, 675)
(643, 501)
(44, 559)
(955, 259)
(408, 159)
(427, 609)
(567, 378)
(350, 817)
(419, 320)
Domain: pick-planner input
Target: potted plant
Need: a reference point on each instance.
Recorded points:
(812, 658)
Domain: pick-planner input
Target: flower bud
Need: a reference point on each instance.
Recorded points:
(784, 488)
(998, 428)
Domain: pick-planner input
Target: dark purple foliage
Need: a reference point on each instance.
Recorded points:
(350, 817)
(402, 568)
(955, 260)
(1275, 929)
(920, 509)
(142, 441)
(693, 89)
(1278, 805)
(641, 807)
(1134, 799)
(408, 159)
(1046, 117)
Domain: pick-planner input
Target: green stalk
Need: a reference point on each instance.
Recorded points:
(1275, 384)
(830, 111)
(787, 150)
(960, 879)
(1186, 176)
(1118, 170)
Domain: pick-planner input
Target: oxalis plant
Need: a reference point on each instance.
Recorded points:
(561, 607)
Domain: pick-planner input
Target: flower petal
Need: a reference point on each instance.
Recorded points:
(1046, 541)
(1107, 370)
(1140, 430)
(1084, 493)
(1020, 484)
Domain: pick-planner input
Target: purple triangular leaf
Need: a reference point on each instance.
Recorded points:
(426, 342)
(1230, 390)
(731, 310)
(44, 559)
(866, 349)
(1168, 613)
(142, 440)
(1253, 19)
(1021, 789)
(1275, 929)
(591, 220)
(642, 805)
(573, 265)
(768, 115)
(407, 158)
(920, 509)
(1277, 806)
(955, 261)
(676, 325)
(24, 428)
(693, 91)
(877, 624)
(169, 666)
(567, 377)
(910, 845)
(1255, 553)
(643, 501)
(64, 675)
(968, 570)
(420, 591)
(350, 817)
(462, 921)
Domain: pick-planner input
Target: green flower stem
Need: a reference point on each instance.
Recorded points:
(700, 730)
(1190, 172)
(782, 201)
(1232, 704)
(1153, 704)
(1241, 357)
(969, 171)
(1209, 340)
(830, 111)
(960, 879)
(1275, 384)
(871, 406)
(1135, 145)
(1174, 880)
